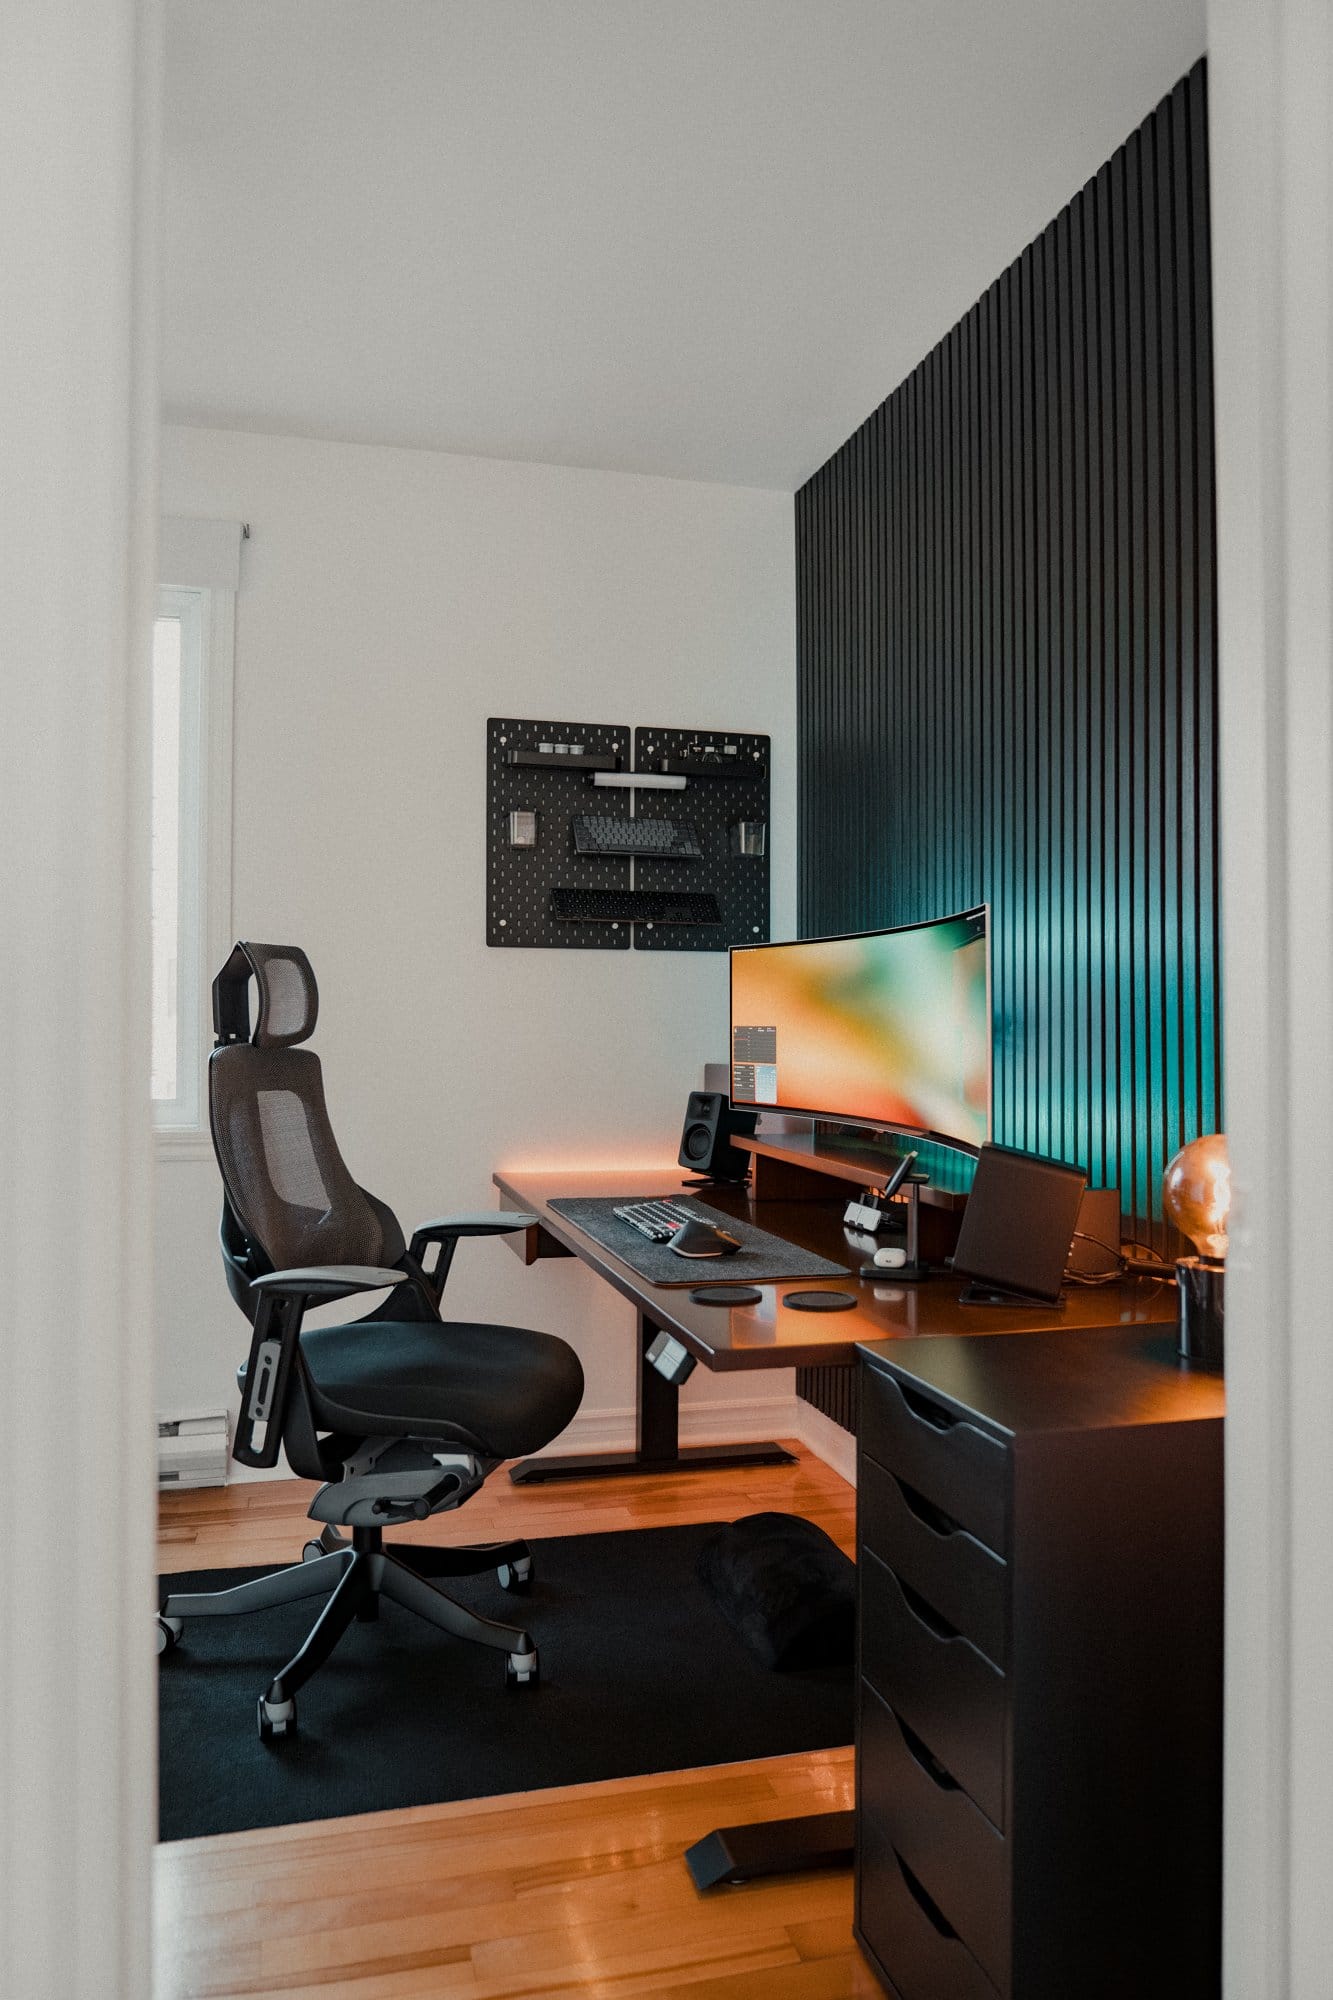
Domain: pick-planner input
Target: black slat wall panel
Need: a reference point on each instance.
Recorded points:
(1007, 691)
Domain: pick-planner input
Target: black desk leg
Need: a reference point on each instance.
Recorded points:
(656, 1406)
(657, 1438)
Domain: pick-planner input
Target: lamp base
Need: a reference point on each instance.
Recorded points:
(1202, 1282)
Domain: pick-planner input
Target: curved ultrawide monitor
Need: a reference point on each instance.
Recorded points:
(890, 1028)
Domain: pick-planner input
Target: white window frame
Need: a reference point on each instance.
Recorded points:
(199, 567)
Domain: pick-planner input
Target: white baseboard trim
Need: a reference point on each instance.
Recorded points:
(253, 1475)
(827, 1440)
(720, 1420)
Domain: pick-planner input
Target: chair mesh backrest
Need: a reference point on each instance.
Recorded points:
(283, 1173)
(288, 996)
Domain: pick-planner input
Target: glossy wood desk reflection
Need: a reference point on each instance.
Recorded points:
(768, 1334)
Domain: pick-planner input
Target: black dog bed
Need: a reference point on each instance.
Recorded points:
(786, 1588)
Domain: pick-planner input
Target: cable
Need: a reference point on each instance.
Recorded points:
(1089, 1278)
(1159, 1270)
(1161, 1263)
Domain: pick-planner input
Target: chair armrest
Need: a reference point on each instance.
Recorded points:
(447, 1230)
(283, 1298)
(495, 1222)
(319, 1281)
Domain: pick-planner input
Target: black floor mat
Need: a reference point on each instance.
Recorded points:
(640, 1673)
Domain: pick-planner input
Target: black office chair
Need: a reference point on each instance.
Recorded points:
(400, 1414)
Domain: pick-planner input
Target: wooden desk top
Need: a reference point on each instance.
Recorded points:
(769, 1334)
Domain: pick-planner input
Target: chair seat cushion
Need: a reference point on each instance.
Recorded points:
(501, 1389)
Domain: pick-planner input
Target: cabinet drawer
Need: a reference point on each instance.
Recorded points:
(947, 1692)
(964, 1580)
(897, 1920)
(939, 1454)
(952, 1849)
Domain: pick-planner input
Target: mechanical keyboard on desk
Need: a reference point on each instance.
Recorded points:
(657, 1220)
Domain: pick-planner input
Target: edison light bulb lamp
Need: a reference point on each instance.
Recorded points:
(1196, 1194)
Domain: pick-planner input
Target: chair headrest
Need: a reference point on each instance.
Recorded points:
(288, 996)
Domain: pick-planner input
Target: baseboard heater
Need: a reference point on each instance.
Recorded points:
(192, 1451)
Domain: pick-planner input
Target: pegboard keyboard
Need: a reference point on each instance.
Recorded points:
(636, 906)
(595, 833)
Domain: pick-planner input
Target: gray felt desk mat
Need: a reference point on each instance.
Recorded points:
(761, 1258)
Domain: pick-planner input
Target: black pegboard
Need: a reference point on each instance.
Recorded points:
(723, 787)
(727, 781)
(519, 880)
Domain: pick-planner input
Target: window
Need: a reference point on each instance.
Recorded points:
(191, 815)
(176, 900)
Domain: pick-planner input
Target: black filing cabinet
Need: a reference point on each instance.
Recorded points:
(1039, 1726)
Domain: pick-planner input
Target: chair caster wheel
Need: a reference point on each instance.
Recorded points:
(516, 1576)
(168, 1632)
(276, 1719)
(326, 1543)
(521, 1670)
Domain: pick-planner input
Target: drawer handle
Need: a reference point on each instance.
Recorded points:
(925, 1614)
(932, 1417)
(926, 1412)
(920, 1755)
(930, 1910)
(929, 1515)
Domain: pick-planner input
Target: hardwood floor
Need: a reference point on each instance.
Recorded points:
(580, 1890)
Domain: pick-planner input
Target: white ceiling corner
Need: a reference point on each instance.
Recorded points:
(700, 238)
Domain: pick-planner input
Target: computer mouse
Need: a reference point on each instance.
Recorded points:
(700, 1239)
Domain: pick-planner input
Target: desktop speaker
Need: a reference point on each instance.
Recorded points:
(705, 1140)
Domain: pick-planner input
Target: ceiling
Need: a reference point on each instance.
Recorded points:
(702, 238)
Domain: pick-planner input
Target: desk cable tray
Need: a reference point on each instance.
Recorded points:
(761, 1259)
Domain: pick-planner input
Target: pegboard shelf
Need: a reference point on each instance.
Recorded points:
(677, 767)
(546, 760)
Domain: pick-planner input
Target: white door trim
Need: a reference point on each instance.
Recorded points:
(1270, 89)
(80, 95)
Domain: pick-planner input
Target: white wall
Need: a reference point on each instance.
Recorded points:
(391, 601)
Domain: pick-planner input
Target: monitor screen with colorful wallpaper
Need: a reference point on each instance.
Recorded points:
(891, 1028)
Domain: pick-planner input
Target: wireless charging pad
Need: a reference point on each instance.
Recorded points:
(726, 1295)
(820, 1302)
